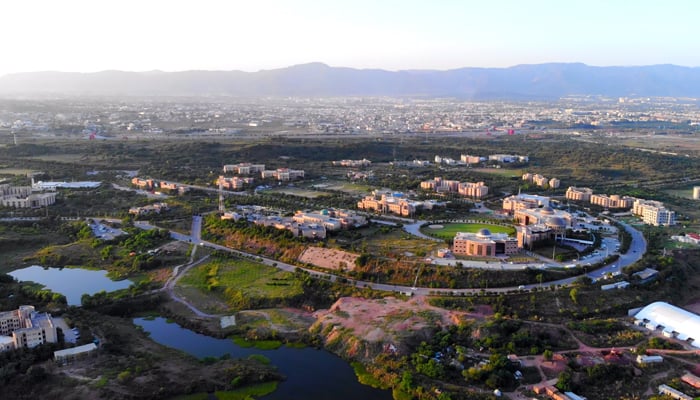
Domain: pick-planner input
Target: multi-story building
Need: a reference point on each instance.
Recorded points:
(234, 183)
(520, 201)
(484, 244)
(470, 159)
(388, 204)
(508, 158)
(156, 208)
(352, 163)
(469, 189)
(146, 184)
(653, 212)
(331, 219)
(554, 183)
(310, 231)
(283, 174)
(476, 190)
(26, 328)
(244, 168)
(578, 194)
(544, 215)
(613, 201)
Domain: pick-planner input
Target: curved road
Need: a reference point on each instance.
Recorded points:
(637, 249)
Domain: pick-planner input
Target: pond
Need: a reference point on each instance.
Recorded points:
(311, 373)
(70, 282)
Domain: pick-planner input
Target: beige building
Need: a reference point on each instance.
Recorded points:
(470, 159)
(653, 212)
(235, 183)
(388, 204)
(155, 208)
(613, 201)
(283, 174)
(467, 189)
(244, 168)
(578, 194)
(554, 183)
(521, 201)
(26, 328)
(352, 163)
(484, 244)
(476, 190)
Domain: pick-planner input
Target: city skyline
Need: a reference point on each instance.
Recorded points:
(83, 36)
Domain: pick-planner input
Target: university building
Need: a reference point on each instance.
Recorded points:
(579, 194)
(653, 212)
(26, 328)
(484, 244)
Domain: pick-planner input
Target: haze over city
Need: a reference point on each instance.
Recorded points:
(85, 36)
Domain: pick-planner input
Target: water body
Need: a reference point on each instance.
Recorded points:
(312, 374)
(70, 282)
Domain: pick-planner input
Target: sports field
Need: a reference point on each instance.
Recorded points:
(448, 231)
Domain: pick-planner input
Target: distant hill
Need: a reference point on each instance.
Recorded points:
(540, 81)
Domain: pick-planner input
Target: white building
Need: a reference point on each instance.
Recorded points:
(682, 324)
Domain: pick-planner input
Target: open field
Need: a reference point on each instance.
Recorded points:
(347, 187)
(448, 231)
(15, 171)
(295, 191)
(507, 173)
(248, 278)
(329, 258)
(685, 193)
(399, 242)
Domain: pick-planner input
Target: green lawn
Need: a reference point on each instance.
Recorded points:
(253, 279)
(448, 231)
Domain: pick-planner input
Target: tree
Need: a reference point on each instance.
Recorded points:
(548, 355)
(573, 294)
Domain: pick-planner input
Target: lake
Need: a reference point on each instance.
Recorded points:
(312, 374)
(70, 282)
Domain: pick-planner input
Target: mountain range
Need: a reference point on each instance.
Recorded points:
(536, 81)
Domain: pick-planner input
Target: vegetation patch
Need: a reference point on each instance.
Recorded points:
(247, 392)
(448, 231)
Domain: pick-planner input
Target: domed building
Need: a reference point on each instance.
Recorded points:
(484, 244)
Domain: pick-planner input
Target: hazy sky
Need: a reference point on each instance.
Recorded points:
(175, 35)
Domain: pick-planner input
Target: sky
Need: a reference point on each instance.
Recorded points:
(251, 35)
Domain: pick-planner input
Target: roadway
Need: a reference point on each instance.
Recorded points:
(637, 249)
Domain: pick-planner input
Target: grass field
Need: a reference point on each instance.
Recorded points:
(294, 191)
(508, 173)
(251, 278)
(448, 231)
(347, 187)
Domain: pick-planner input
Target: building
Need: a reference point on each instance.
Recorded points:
(475, 190)
(613, 201)
(26, 328)
(440, 185)
(578, 194)
(235, 183)
(645, 359)
(691, 380)
(653, 212)
(388, 204)
(696, 192)
(352, 163)
(520, 201)
(244, 168)
(646, 275)
(310, 231)
(24, 197)
(544, 216)
(508, 158)
(470, 159)
(155, 208)
(145, 184)
(331, 219)
(283, 174)
(673, 393)
(683, 324)
(484, 244)
(74, 353)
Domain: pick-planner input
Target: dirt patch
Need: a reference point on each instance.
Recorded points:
(329, 258)
(693, 306)
(388, 321)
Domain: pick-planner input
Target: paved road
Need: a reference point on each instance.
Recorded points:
(637, 248)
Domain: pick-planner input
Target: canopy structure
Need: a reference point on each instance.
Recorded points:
(682, 324)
